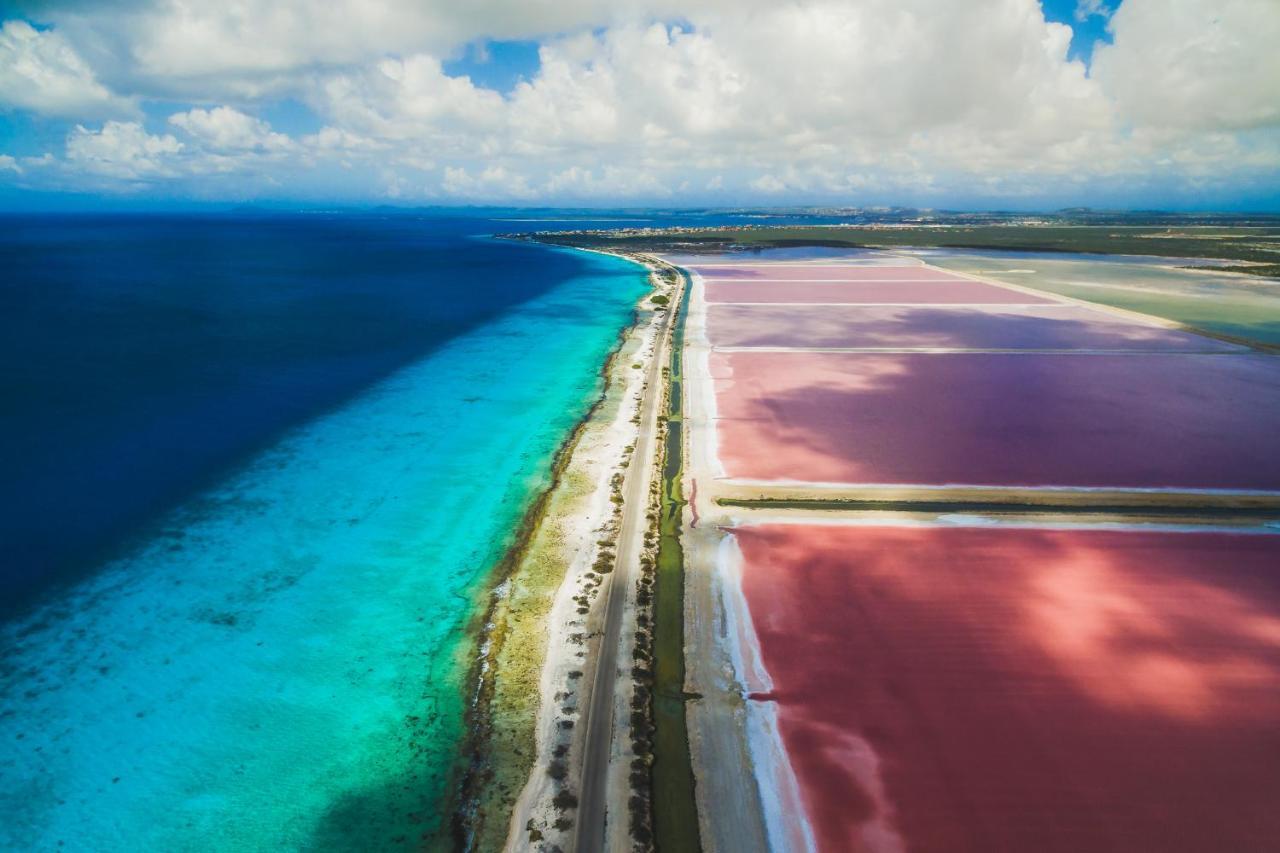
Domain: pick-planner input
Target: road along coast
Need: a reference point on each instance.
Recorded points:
(553, 751)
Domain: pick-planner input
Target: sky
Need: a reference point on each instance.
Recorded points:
(1011, 104)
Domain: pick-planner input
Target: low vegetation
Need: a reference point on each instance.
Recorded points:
(675, 815)
(1253, 241)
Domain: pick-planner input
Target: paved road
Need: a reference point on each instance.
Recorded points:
(597, 715)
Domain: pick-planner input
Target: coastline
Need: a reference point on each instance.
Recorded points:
(348, 563)
(528, 654)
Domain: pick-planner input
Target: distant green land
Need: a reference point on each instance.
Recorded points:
(1256, 249)
(1188, 287)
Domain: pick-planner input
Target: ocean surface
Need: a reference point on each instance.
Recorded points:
(256, 471)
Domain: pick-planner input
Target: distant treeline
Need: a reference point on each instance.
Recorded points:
(1256, 246)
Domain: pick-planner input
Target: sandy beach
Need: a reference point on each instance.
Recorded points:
(544, 633)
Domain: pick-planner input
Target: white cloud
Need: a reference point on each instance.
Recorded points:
(195, 38)
(900, 86)
(607, 182)
(408, 99)
(649, 84)
(122, 150)
(335, 139)
(1086, 9)
(821, 99)
(492, 182)
(41, 71)
(768, 184)
(45, 159)
(1199, 64)
(224, 128)
(8, 164)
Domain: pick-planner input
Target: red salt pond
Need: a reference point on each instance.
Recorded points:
(943, 292)
(816, 272)
(1024, 327)
(1006, 689)
(1149, 420)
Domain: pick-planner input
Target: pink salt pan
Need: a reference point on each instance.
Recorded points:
(1130, 421)
(968, 690)
(940, 292)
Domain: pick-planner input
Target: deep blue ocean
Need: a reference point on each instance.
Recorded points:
(256, 471)
(143, 355)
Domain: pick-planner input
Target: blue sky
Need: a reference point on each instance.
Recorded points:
(496, 65)
(1088, 22)
(990, 103)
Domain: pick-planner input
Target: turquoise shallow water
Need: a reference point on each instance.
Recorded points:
(278, 665)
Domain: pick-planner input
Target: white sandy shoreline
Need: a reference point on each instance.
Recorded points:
(579, 526)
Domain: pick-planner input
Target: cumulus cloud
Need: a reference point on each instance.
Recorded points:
(607, 182)
(409, 98)
(650, 84)
(335, 139)
(122, 150)
(814, 99)
(1203, 64)
(194, 38)
(493, 182)
(227, 129)
(9, 164)
(768, 184)
(42, 72)
(841, 82)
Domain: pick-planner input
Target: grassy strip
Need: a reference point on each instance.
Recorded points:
(675, 812)
(847, 505)
(1269, 270)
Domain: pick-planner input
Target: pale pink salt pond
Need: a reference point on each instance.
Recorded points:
(942, 291)
(1060, 326)
(824, 272)
(1149, 420)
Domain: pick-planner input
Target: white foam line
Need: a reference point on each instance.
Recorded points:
(699, 380)
(762, 518)
(816, 265)
(744, 648)
(971, 351)
(942, 488)
(786, 823)
(911, 304)
(1018, 310)
(784, 281)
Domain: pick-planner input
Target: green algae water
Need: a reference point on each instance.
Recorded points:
(278, 660)
(1246, 307)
